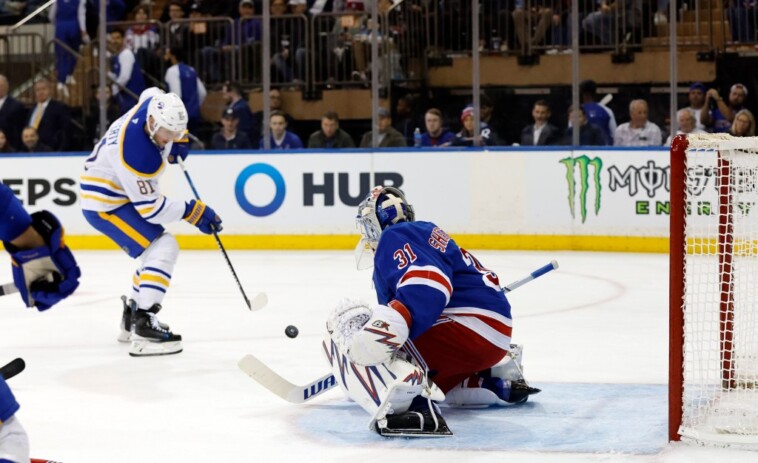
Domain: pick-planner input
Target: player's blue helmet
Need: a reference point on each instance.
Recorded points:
(384, 206)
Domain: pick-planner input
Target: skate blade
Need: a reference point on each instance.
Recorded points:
(444, 432)
(144, 348)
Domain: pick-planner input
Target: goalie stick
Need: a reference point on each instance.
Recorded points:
(297, 394)
(13, 368)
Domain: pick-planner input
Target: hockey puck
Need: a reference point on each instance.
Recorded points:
(291, 331)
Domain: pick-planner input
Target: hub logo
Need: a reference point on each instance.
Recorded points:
(244, 177)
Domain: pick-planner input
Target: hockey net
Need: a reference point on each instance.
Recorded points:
(713, 357)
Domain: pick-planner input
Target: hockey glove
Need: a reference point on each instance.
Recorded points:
(367, 336)
(180, 149)
(203, 217)
(48, 274)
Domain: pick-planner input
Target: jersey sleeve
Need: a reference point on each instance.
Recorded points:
(413, 273)
(14, 219)
(146, 197)
(8, 404)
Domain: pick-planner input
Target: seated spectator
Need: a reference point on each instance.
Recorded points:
(542, 132)
(686, 121)
(405, 123)
(639, 131)
(49, 118)
(696, 98)
(330, 135)
(288, 40)
(112, 112)
(603, 24)
(166, 14)
(31, 141)
(466, 135)
(281, 138)
(589, 134)
(743, 125)
(436, 135)
(486, 114)
(597, 114)
(5, 145)
(537, 18)
(177, 30)
(229, 138)
(720, 114)
(242, 37)
(248, 122)
(13, 116)
(388, 136)
(275, 104)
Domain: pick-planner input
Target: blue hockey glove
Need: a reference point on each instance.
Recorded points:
(180, 149)
(48, 274)
(203, 217)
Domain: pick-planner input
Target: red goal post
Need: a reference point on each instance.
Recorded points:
(713, 295)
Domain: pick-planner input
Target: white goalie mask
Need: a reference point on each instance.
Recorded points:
(384, 206)
(168, 113)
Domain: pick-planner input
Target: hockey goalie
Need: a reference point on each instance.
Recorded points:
(441, 332)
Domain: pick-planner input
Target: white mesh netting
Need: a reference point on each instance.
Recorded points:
(721, 292)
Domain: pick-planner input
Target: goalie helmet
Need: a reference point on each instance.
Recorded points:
(168, 112)
(384, 206)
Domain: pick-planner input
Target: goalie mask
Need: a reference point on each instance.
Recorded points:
(384, 206)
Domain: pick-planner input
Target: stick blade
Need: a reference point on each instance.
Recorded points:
(13, 368)
(267, 378)
(258, 302)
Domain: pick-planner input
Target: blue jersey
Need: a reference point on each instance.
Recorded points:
(597, 115)
(8, 404)
(14, 220)
(420, 266)
(445, 137)
(289, 142)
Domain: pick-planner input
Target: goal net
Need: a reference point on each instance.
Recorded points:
(713, 307)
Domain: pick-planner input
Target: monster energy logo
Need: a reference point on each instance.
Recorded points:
(584, 164)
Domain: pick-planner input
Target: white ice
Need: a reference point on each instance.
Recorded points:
(598, 324)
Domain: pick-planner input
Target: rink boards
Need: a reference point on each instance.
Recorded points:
(520, 198)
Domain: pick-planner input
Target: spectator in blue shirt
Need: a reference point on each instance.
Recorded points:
(281, 138)
(436, 135)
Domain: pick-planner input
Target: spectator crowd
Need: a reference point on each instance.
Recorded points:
(192, 58)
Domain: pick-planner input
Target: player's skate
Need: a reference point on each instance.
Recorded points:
(507, 380)
(150, 337)
(423, 419)
(125, 333)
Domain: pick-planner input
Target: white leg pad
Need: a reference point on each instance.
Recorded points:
(472, 397)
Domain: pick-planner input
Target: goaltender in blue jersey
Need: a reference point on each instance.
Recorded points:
(441, 331)
(122, 199)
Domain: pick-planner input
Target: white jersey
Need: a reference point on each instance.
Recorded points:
(124, 168)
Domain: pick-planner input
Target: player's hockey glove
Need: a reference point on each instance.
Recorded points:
(48, 274)
(180, 149)
(203, 217)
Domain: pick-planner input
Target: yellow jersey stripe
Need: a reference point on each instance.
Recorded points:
(126, 229)
(106, 201)
(101, 180)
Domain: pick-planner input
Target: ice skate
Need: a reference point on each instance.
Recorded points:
(421, 420)
(149, 337)
(125, 333)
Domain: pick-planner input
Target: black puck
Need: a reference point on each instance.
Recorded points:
(291, 331)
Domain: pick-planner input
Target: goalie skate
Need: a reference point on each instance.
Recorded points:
(149, 338)
(423, 422)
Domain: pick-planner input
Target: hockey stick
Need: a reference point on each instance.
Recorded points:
(13, 368)
(535, 274)
(8, 288)
(260, 300)
(296, 394)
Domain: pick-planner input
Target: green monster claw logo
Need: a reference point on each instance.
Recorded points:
(584, 163)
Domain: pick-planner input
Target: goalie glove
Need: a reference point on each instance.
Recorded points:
(367, 336)
(48, 274)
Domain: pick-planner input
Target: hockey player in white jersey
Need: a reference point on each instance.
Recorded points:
(121, 198)
(441, 331)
